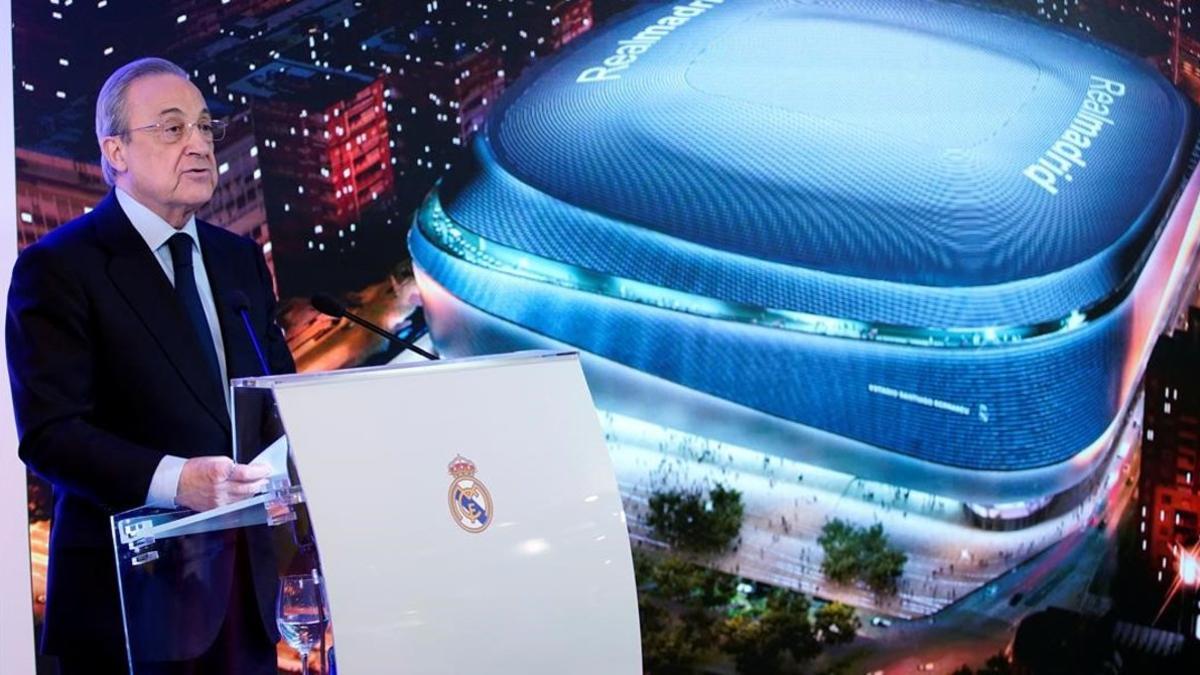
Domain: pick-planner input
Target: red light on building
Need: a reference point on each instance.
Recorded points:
(324, 152)
(573, 18)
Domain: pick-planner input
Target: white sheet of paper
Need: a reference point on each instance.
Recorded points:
(275, 457)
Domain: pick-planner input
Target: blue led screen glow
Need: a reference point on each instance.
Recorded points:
(766, 129)
(920, 226)
(830, 214)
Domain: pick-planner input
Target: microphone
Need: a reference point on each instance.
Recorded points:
(329, 306)
(241, 304)
(305, 542)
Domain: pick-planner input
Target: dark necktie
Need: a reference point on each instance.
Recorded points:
(185, 288)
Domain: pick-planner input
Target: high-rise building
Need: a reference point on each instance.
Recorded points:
(524, 30)
(322, 142)
(1175, 19)
(1169, 487)
(65, 49)
(237, 203)
(528, 30)
(445, 83)
(53, 189)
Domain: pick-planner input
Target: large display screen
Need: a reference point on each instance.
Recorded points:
(866, 292)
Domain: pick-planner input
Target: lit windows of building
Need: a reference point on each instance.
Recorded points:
(531, 29)
(1170, 452)
(74, 42)
(316, 178)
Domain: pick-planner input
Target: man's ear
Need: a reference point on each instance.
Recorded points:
(114, 151)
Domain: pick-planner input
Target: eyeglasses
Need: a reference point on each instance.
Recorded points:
(174, 130)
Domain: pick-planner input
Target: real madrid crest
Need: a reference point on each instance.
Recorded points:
(470, 501)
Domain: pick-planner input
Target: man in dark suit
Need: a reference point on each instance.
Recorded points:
(121, 343)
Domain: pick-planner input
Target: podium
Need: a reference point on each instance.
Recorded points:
(465, 513)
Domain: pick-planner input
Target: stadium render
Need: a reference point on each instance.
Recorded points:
(914, 242)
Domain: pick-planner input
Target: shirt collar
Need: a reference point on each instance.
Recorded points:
(154, 230)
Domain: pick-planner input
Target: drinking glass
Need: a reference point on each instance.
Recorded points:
(302, 613)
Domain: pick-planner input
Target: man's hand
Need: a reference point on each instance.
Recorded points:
(208, 482)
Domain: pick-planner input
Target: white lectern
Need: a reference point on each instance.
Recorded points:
(466, 515)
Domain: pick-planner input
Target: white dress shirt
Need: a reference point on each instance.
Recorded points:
(155, 232)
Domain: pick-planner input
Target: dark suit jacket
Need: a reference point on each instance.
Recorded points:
(107, 377)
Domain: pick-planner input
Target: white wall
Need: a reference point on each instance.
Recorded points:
(16, 614)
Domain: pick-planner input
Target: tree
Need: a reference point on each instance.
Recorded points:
(841, 563)
(727, 513)
(836, 623)
(673, 579)
(690, 584)
(883, 571)
(862, 554)
(715, 588)
(672, 645)
(757, 639)
(787, 616)
(746, 639)
(692, 522)
(644, 566)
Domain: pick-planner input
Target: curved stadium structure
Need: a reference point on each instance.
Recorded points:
(918, 242)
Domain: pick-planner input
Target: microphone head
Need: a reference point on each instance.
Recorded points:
(239, 302)
(326, 304)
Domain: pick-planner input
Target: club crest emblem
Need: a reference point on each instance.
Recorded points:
(470, 501)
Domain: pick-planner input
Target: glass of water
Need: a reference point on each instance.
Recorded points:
(301, 612)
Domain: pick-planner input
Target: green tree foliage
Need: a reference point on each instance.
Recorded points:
(671, 644)
(693, 522)
(680, 581)
(862, 554)
(727, 514)
(836, 623)
(674, 578)
(643, 567)
(690, 614)
(687, 583)
(882, 564)
(841, 563)
(758, 639)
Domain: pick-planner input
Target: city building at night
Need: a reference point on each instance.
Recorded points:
(443, 81)
(523, 30)
(67, 49)
(532, 29)
(897, 269)
(322, 142)
(1169, 486)
(53, 189)
(237, 203)
(1175, 19)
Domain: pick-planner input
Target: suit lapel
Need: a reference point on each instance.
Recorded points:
(239, 353)
(138, 276)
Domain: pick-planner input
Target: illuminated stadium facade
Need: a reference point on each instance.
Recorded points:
(912, 241)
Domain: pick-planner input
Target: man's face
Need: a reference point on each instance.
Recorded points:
(171, 179)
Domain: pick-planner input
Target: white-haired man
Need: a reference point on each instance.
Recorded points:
(121, 343)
